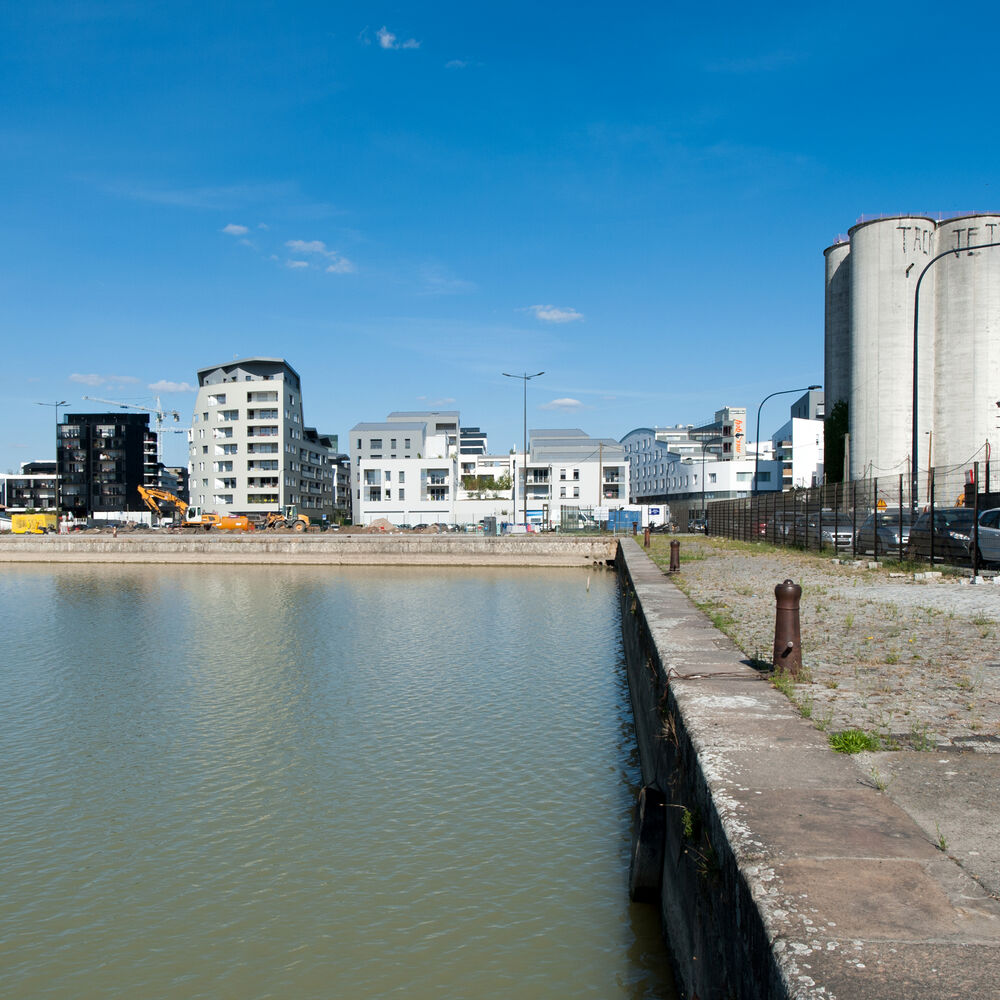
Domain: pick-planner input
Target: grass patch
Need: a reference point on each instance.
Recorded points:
(853, 741)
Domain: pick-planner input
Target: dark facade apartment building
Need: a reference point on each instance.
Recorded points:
(103, 459)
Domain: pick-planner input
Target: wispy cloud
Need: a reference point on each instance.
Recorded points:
(555, 314)
(165, 386)
(341, 266)
(96, 380)
(444, 401)
(456, 64)
(338, 263)
(566, 403)
(235, 230)
(387, 40)
(294, 264)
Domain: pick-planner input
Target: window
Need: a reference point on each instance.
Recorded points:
(402, 477)
(375, 444)
(229, 415)
(219, 399)
(402, 494)
(562, 475)
(406, 442)
(359, 444)
(576, 474)
(743, 477)
(562, 492)
(388, 475)
(392, 443)
(388, 494)
(576, 492)
(711, 477)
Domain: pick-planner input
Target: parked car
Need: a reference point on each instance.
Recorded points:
(989, 539)
(830, 528)
(887, 532)
(952, 531)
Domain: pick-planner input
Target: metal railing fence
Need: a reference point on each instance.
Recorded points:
(876, 516)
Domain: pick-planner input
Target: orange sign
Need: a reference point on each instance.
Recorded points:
(881, 505)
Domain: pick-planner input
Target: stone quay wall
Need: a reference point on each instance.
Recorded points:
(781, 873)
(327, 549)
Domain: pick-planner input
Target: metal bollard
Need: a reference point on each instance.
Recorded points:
(645, 537)
(787, 638)
(635, 528)
(675, 556)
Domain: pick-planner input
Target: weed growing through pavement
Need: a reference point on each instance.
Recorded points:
(942, 843)
(880, 781)
(852, 741)
(920, 738)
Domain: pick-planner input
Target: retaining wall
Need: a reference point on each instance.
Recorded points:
(784, 874)
(323, 549)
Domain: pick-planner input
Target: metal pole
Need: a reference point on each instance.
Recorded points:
(975, 521)
(914, 441)
(756, 458)
(524, 502)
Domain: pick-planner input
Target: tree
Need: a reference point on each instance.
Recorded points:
(834, 431)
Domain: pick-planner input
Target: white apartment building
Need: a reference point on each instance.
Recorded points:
(410, 470)
(249, 450)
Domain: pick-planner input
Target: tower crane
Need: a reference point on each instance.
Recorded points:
(158, 411)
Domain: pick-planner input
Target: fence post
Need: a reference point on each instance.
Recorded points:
(975, 520)
(854, 519)
(931, 498)
(900, 517)
(875, 516)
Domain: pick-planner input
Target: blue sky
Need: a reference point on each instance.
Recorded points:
(405, 200)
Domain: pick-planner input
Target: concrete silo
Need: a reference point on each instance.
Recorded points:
(966, 331)
(837, 353)
(885, 258)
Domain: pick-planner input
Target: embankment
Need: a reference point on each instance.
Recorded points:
(327, 549)
(783, 873)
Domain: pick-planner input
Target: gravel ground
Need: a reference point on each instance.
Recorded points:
(913, 661)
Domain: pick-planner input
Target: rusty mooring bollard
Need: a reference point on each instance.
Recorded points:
(645, 537)
(787, 638)
(675, 556)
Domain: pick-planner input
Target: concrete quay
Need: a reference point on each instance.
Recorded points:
(787, 873)
(327, 549)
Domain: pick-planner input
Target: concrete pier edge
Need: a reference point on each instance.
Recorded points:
(785, 874)
(327, 549)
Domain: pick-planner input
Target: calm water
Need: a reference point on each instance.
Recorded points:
(295, 782)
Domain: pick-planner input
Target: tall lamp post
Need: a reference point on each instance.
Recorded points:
(55, 480)
(915, 439)
(526, 379)
(756, 460)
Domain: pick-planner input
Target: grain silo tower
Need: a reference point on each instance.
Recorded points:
(966, 331)
(837, 367)
(886, 257)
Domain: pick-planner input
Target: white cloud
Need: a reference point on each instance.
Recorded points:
(387, 40)
(445, 401)
(95, 380)
(456, 64)
(296, 263)
(164, 386)
(341, 266)
(263, 225)
(338, 264)
(306, 246)
(555, 314)
(235, 230)
(566, 403)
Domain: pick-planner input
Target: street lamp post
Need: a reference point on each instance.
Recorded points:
(526, 379)
(704, 442)
(915, 439)
(756, 459)
(55, 480)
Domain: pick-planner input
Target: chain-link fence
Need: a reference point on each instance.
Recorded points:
(944, 520)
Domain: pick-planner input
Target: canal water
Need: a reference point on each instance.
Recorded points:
(295, 782)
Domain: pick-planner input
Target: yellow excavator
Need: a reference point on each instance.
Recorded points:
(191, 517)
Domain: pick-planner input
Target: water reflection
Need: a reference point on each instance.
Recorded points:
(304, 782)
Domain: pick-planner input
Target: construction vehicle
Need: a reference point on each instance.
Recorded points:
(192, 517)
(33, 524)
(287, 517)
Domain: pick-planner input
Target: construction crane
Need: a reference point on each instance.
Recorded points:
(158, 411)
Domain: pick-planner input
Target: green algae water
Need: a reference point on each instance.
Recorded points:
(284, 782)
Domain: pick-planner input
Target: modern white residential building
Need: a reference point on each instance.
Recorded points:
(410, 471)
(249, 450)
